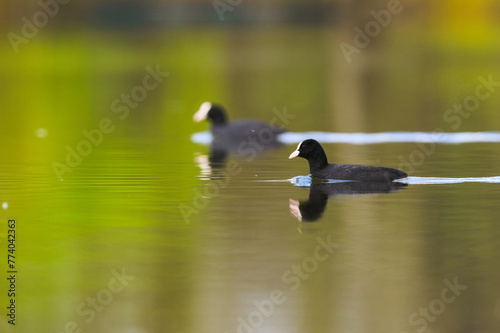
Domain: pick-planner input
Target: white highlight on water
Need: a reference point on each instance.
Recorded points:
(384, 137)
(41, 132)
(444, 180)
(374, 138)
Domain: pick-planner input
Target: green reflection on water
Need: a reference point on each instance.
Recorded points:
(119, 208)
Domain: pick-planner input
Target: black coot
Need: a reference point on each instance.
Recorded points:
(235, 131)
(312, 151)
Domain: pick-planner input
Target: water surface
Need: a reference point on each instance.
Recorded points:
(206, 245)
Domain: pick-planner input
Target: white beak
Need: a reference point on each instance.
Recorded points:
(202, 112)
(294, 154)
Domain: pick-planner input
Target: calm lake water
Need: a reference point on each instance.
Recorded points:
(141, 233)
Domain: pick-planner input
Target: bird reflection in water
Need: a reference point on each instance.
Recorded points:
(212, 165)
(225, 156)
(244, 139)
(312, 209)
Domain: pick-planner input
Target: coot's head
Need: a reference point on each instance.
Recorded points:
(214, 112)
(309, 149)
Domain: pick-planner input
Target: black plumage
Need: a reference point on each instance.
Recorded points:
(238, 130)
(319, 167)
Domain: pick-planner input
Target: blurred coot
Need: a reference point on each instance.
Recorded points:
(238, 130)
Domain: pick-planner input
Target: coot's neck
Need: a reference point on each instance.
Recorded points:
(218, 117)
(218, 122)
(317, 160)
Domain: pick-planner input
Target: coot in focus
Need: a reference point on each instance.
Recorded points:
(238, 130)
(312, 151)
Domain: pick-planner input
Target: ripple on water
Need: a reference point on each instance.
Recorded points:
(307, 181)
(374, 138)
